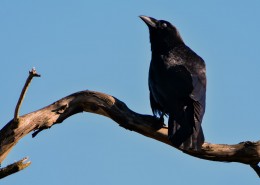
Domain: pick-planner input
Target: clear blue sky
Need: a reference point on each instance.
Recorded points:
(104, 46)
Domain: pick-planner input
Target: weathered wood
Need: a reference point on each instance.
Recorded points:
(32, 74)
(106, 105)
(13, 168)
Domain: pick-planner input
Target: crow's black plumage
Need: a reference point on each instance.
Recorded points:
(177, 84)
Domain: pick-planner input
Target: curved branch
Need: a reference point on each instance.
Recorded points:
(106, 105)
(32, 74)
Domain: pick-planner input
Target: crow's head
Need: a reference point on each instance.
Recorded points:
(163, 35)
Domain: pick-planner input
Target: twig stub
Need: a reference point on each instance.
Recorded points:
(15, 167)
(256, 168)
(33, 72)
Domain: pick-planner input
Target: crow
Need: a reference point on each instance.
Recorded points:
(177, 84)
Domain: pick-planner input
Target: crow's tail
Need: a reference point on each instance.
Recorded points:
(182, 127)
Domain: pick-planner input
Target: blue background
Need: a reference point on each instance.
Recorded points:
(104, 46)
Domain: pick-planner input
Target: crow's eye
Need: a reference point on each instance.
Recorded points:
(164, 25)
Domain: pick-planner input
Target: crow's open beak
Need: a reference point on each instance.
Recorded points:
(149, 21)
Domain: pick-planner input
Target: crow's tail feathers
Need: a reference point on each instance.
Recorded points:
(185, 129)
(178, 132)
(195, 141)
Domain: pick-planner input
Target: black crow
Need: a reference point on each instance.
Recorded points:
(177, 84)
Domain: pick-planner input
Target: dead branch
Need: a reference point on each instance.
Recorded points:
(99, 103)
(15, 167)
(32, 74)
(106, 105)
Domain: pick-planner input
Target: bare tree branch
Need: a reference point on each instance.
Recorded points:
(99, 103)
(15, 167)
(32, 74)
(256, 168)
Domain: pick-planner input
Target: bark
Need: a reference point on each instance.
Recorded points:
(99, 103)
(13, 168)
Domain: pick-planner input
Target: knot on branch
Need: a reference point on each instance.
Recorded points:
(248, 143)
(61, 109)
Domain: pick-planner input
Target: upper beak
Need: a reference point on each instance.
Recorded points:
(149, 21)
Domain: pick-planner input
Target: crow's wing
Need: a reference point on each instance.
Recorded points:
(156, 107)
(199, 93)
(199, 96)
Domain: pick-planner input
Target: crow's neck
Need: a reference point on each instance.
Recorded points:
(163, 49)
